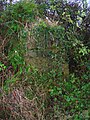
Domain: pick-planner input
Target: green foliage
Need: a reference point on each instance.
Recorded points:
(2, 66)
(41, 10)
(65, 81)
(15, 59)
(49, 40)
(9, 84)
(13, 21)
(22, 11)
(68, 47)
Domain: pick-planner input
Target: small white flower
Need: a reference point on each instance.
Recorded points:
(15, 51)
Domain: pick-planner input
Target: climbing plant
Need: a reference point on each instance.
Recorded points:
(47, 57)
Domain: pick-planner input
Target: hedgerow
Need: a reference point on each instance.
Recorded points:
(44, 64)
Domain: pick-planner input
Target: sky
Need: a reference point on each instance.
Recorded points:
(88, 2)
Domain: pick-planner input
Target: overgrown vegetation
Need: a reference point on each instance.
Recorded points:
(44, 63)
